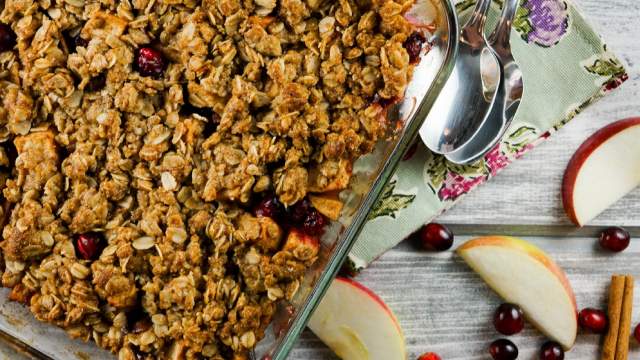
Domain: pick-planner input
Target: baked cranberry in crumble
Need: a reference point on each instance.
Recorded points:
(271, 207)
(88, 246)
(7, 38)
(150, 62)
(413, 44)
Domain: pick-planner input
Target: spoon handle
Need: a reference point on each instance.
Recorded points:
(499, 38)
(475, 24)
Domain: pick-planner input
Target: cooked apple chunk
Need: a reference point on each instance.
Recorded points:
(301, 245)
(328, 205)
(330, 176)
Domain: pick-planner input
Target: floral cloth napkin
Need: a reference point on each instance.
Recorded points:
(566, 66)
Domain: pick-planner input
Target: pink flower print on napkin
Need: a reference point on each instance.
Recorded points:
(496, 160)
(455, 185)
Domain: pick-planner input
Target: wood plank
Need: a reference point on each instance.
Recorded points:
(444, 307)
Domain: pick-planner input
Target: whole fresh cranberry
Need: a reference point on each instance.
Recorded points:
(271, 207)
(593, 320)
(614, 239)
(413, 45)
(551, 350)
(435, 237)
(503, 349)
(429, 356)
(150, 62)
(636, 333)
(88, 245)
(7, 38)
(508, 319)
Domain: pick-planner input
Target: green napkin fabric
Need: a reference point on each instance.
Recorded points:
(566, 66)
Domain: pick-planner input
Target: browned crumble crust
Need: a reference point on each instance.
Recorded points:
(257, 96)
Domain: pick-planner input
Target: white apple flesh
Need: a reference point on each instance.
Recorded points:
(603, 170)
(356, 324)
(523, 274)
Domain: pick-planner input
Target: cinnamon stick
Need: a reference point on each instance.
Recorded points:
(614, 309)
(622, 348)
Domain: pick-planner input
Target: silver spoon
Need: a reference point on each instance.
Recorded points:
(463, 104)
(507, 98)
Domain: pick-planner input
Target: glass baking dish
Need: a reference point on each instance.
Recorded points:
(21, 332)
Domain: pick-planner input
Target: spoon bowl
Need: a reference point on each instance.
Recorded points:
(507, 98)
(469, 93)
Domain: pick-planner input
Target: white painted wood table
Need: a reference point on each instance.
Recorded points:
(442, 306)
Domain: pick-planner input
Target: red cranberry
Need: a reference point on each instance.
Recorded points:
(551, 350)
(88, 245)
(636, 333)
(436, 237)
(429, 356)
(614, 239)
(298, 212)
(503, 349)
(150, 62)
(7, 38)
(271, 207)
(593, 320)
(413, 44)
(304, 215)
(314, 223)
(508, 319)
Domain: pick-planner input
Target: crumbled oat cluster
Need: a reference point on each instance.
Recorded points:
(137, 136)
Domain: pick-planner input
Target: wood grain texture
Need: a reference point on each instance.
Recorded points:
(443, 306)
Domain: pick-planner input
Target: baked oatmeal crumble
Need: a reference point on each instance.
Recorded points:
(136, 136)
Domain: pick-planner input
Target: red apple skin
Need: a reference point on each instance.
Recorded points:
(581, 155)
(373, 296)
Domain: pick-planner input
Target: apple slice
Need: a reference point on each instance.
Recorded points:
(523, 274)
(603, 170)
(356, 324)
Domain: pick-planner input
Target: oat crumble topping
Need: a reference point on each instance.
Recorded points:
(138, 135)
